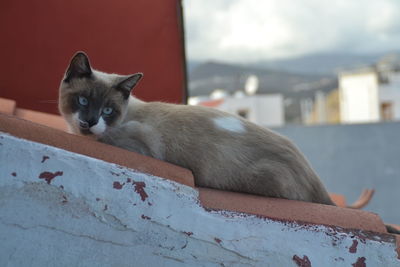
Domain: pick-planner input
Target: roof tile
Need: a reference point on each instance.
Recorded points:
(7, 106)
(86, 146)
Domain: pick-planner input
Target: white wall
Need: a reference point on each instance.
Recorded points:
(265, 110)
(359, 101)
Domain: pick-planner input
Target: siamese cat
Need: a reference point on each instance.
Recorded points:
(223, 151)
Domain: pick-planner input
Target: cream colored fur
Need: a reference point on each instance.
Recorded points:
(223, 151)
(256, 161)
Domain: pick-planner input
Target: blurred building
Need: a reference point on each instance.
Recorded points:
(324, 109)
(266, 110)
(366, 94)
(371, 94)
(263, 109)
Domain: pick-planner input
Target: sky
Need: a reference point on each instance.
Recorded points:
(255, 30)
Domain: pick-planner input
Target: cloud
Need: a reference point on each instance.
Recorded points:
(252, 30)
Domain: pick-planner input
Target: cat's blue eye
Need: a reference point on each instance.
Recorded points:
(83, 101)
(107, 111)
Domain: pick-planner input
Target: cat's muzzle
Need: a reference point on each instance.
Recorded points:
(84, 128)
(84, 125)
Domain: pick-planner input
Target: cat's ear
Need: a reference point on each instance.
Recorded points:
(79, 67)
(126, 85)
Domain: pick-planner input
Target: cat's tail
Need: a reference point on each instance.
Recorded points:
(363, 199)
(361, 202)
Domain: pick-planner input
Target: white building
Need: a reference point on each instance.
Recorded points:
(370, 95)
(359, 98)
(264, 110)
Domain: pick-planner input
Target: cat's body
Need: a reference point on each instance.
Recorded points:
(222, 150)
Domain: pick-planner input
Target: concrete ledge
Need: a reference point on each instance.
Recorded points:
(85, 146)
(64, 201)
(66, 209)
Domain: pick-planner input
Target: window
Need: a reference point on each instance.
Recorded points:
(387, 111)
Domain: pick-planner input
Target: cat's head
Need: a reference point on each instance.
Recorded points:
(90, 100)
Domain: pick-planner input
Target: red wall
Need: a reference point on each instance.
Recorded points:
(38, 38)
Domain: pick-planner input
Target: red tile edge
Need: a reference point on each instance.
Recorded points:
(42, 134)
(50, 120)
(7, 106)
(292, 211)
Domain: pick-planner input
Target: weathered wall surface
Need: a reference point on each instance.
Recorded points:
(349, 158)
(59, 208)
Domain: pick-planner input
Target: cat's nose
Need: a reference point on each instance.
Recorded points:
(83, 124)
(92, 122)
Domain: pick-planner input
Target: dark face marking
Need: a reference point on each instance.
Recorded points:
(97, 104)
(104, 97)
(93, 101)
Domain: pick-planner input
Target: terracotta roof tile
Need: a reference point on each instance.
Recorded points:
(47, 119)
(7, 106)
(290, 210)
(82, 145)
(212, 103)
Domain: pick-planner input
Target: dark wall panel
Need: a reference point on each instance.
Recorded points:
(38, 38)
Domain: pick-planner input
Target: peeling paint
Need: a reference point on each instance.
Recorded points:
(44, 158)
(339, 259)
(118, 185)
(398, 246)
(360, 262)
(145, 217)
(188, 233)
(353, 248)
(217, 240)
(302, 262)
(139, 188)
(398, 251)
(14, 174)
(49, 176)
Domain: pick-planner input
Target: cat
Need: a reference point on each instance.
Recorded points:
(223, 151)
